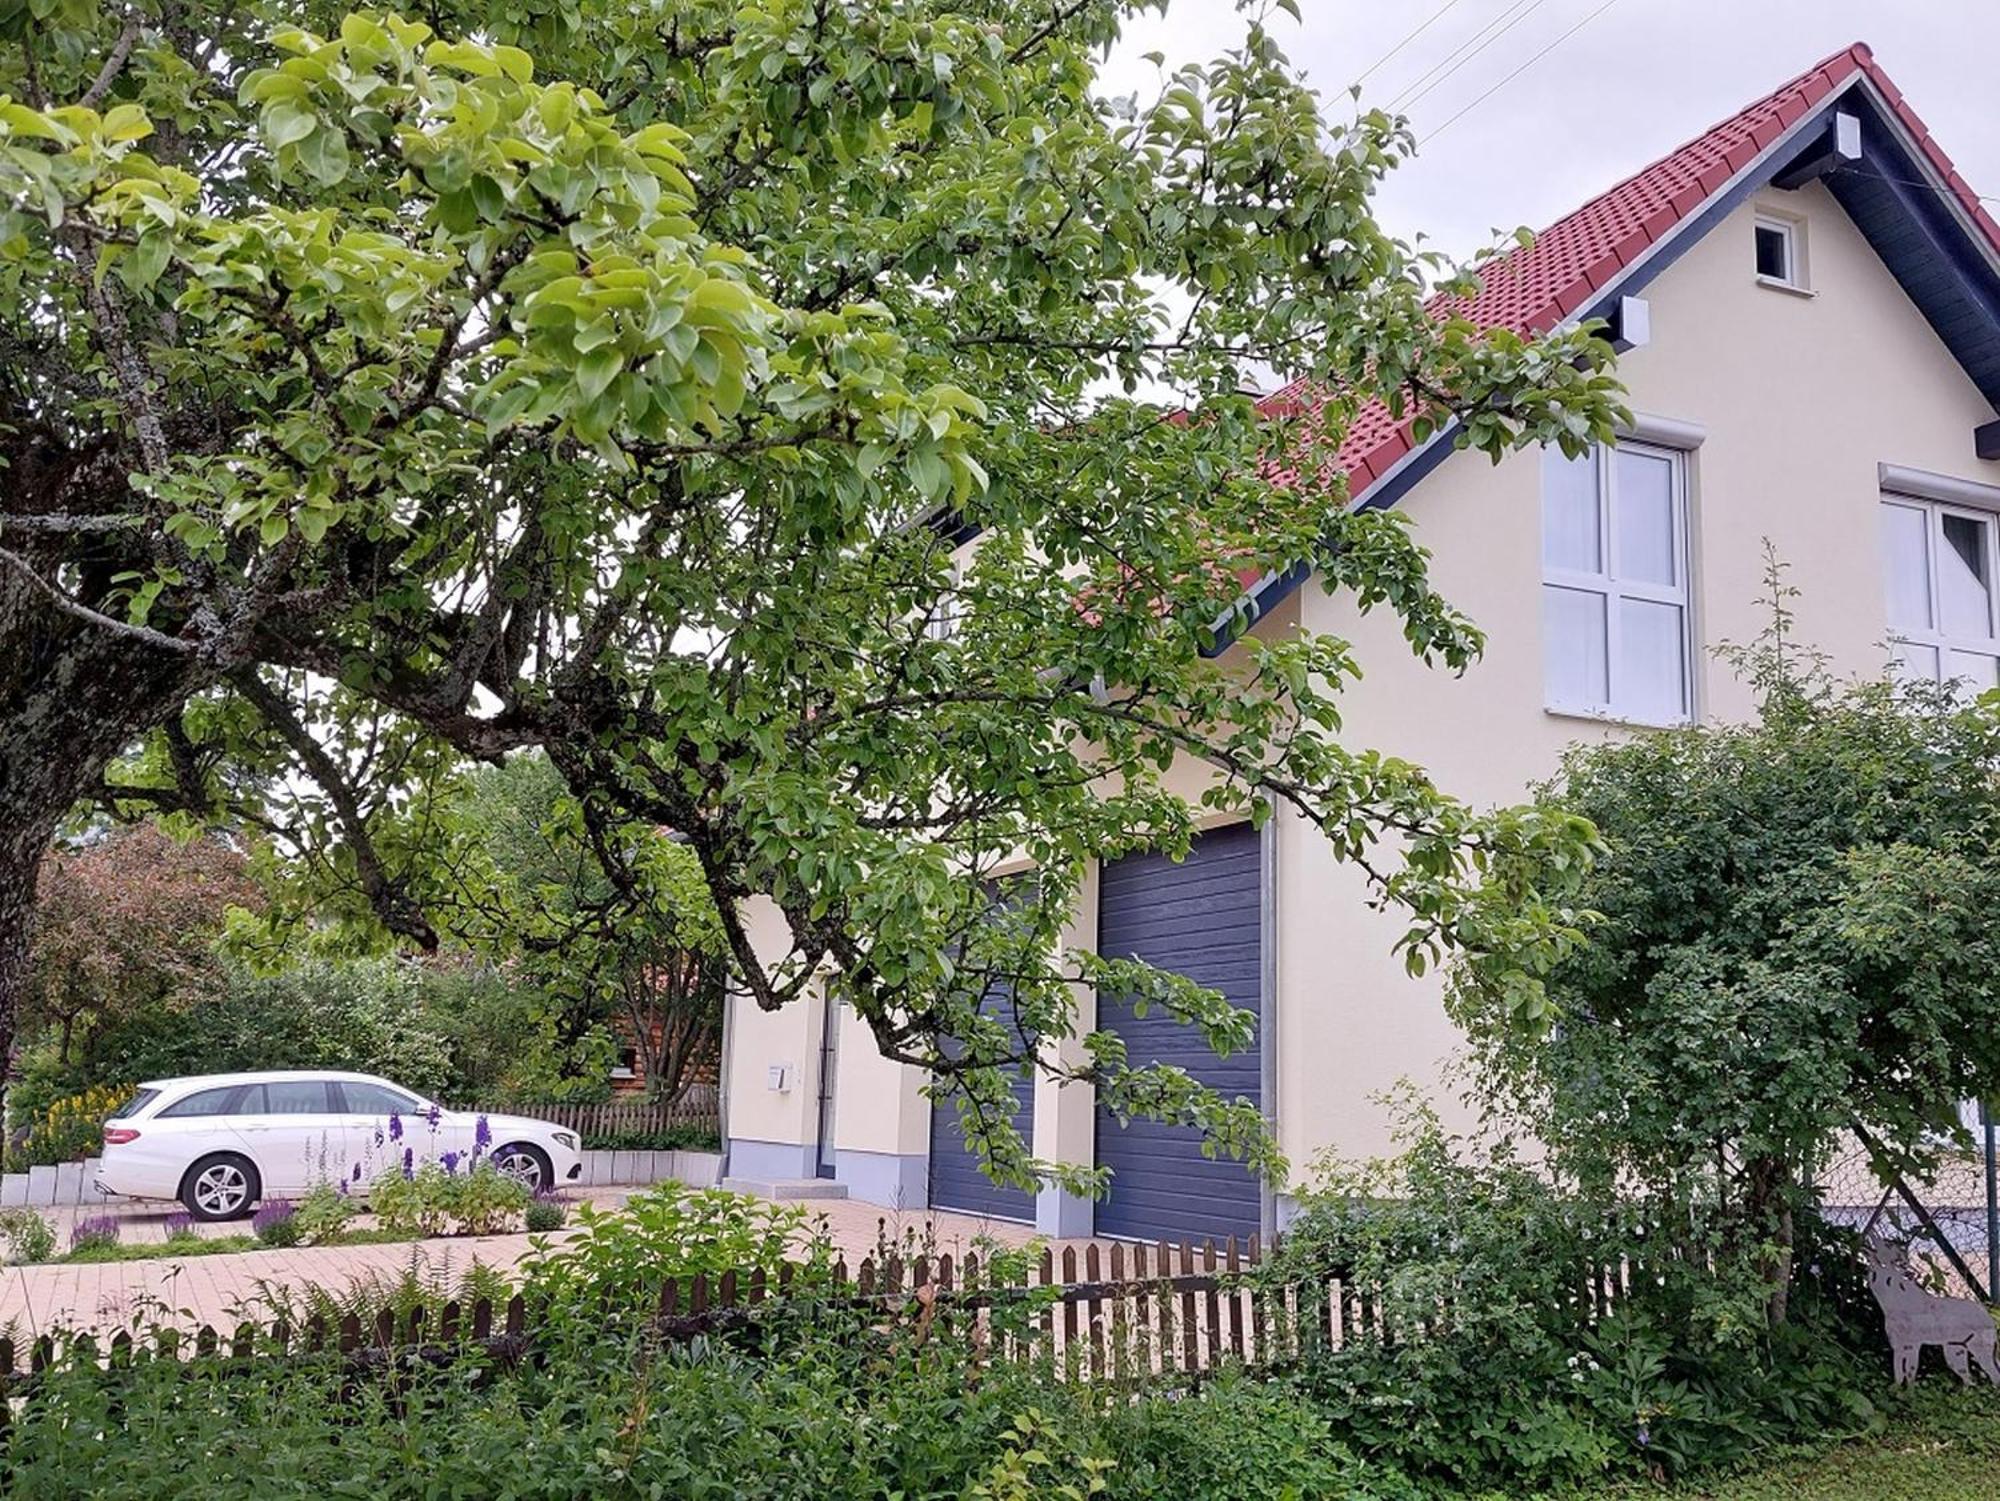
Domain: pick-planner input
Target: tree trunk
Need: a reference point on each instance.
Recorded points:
(1767, 1211)
(72, 697)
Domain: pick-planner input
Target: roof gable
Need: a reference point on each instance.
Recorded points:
(1617, 241)
(1919, 214)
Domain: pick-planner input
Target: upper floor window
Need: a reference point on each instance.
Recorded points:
(948, 613)
(1615, 584)
(1781, 251)
(1941, 566)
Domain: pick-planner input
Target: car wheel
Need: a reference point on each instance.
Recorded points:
(526, 1164)
(220, 1187)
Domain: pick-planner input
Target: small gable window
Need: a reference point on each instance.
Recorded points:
(1780, 244)
(1615, 584)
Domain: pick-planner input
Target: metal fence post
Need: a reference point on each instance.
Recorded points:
(1992, 1201)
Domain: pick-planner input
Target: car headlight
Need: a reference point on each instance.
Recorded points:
(565, 1140)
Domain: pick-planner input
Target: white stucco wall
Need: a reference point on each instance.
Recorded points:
(1800, 399)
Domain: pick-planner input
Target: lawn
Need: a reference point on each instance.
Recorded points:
(1941, 1445)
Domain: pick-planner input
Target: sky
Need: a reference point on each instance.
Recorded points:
(1633, 79)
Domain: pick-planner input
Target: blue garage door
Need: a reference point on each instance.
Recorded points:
(957, 1180)
(1200, 918)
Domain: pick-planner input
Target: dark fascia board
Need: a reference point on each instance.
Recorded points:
(1885, 140)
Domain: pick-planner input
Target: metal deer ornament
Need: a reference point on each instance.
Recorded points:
(1913, 1318)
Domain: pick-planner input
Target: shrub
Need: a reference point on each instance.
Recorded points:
(824, 1417)
(29, 1237)
(618, 1260)
(276, 1223)
(99, 1232)
(546, 1212)
(179, 1226)
(1489, 1359)
(682, 1138)
(69, 1128)
(323, 1213)
(438, 1199)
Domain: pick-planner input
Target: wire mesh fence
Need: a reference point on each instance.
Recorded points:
(1949, 1221)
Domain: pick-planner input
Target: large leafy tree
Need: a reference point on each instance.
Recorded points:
(125, 923)
(521, 883)
(1796, 944)
(613, 379)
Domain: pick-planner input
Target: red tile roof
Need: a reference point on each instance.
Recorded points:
(1533, 288)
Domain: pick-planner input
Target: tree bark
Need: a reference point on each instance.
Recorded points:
(73, 696)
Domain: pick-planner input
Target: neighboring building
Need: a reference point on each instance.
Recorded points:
(1812, 297)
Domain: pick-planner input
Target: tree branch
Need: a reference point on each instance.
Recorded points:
(385, 894)
(114, 64)
(83, 612)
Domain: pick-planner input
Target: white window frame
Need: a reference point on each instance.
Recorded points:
(1795, 278)
(948, 616)
(1613, 589)
(1937, 638)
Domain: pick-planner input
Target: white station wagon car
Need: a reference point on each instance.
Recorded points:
(221, 1142)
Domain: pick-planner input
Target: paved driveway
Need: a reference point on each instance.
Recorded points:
(189, 1291)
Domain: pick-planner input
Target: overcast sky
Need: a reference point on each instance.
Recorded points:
(1632, 82)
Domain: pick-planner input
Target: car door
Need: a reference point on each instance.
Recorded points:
(294, 1132)
(379, 1123)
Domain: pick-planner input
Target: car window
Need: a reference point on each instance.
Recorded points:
(206, 1102)
(378, 1099)
(293, 1097)
(141, 1098)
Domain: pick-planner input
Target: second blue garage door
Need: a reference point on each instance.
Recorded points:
(1200, 918)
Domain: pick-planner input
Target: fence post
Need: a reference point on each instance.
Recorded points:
(1992, 1202)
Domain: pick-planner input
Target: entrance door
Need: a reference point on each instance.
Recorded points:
(829, 1073)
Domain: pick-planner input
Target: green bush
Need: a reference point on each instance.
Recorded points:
(276, 1223)
(29, 1237)
(689, 1138)
(619, 1258)
(68, 1128)
(830, 1414)
(545, 1214)
(438, 1200)
(1487, 1361)
(323, 1214)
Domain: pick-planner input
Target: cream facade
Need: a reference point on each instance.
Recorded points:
(1786, 405)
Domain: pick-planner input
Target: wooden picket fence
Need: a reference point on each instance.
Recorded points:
(698, 1109)
(1110, 1313)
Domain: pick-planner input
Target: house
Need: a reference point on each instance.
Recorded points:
(1809, 297)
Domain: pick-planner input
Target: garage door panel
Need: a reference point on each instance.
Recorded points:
(1202, 919)
(957, 1181)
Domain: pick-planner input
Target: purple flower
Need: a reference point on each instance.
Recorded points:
(395, 1127)
(433, 1114)
(98, 1230)
(409, 1162)
(482, 1136)
(378, 1136)
(357, 1172)
(179, 1223)
(450, 1161)
(272, 1212)
(341, 1188)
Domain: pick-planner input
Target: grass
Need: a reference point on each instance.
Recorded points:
(1941, 1444)
(213, 1245)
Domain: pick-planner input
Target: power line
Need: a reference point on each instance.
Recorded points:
(1466, 51)
(1909, 182)
(1422, 27)
(1440, 130)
